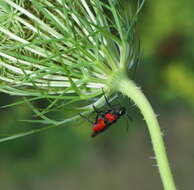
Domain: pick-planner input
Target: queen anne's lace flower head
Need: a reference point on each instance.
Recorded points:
(65, 51)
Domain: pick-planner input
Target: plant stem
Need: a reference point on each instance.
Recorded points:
(128, 87)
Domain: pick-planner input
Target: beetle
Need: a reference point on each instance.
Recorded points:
(104, 119)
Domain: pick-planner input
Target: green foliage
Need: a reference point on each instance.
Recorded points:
(61, 54)
(27, 157)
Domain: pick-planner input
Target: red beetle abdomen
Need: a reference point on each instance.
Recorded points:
(110, 117)
(99, 126)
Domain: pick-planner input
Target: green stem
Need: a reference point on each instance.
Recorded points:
(128, 87)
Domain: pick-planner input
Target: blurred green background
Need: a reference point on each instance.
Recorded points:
(67, 158)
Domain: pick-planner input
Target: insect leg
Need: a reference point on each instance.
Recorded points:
(84, 117)
(106, 99)
(94, 107)
(127, 123)
(127, 120)
(129, 117)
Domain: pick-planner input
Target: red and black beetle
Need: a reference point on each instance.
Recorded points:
(104, 119)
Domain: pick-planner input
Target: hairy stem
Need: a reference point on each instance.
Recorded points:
(128, 87)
